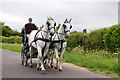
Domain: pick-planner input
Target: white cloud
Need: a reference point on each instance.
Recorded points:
(4, 17)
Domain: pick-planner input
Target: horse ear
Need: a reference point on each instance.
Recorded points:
(70, 20)
(50, 17)
(47, 17)
(65, 21)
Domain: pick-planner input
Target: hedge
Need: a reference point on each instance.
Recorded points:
(105, 39)
(112, 38)
(75, 39)
(94, 39)
(12, 39)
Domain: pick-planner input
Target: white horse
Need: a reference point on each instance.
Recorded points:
(41, 42)
(59, 42)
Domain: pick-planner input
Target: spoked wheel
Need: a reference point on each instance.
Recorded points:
(22, 58)
(25, 60)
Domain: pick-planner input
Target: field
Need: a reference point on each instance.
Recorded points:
(91, 60)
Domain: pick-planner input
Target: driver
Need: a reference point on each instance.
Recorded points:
(29, 27)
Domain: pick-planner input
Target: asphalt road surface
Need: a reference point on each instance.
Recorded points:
(12, 68)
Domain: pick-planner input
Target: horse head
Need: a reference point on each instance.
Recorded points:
(51, 25)
(67, 26)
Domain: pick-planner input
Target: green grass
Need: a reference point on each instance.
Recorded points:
(12, 47)
(92, 61)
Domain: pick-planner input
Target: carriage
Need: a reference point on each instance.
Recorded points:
(25, 55)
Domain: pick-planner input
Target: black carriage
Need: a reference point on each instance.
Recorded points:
(25, 55)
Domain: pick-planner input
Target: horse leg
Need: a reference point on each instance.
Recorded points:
(38, 63)
(49, 60)
(60, 60)
(52, 60)
(42, 65)
(57, 58)
(44, 55)
(40, 59)
(31, 52)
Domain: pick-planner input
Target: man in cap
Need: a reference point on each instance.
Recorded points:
(26, 32)
(29, 27)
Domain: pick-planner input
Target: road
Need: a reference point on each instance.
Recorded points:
(12, 68)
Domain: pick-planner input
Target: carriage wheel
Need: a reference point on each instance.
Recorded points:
(25, 61)
(22, 58)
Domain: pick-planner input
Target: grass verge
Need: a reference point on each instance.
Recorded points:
(95, 63)
(12, 47)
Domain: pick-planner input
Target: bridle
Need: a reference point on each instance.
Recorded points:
(48, 24)
(44, 39)
(65, 31)
(49, 28)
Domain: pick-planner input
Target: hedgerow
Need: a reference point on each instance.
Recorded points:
(112, 38)
(94, 39)
(101, 39)
(75, 39)
(12, 39)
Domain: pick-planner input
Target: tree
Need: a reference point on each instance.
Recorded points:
(7, 31)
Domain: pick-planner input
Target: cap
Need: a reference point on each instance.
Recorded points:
(30, 18)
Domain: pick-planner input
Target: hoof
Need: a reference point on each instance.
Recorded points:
(25, 64)
(56, 67)
(30, 66)
(60, 70)
(43, 70)
(37, 68)
(49, 67)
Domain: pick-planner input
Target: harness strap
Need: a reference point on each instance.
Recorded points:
(36, 35)
(44, 49)
(60, 33)
(57, 41)
(61, 46)
(42, 39)
(42, 35)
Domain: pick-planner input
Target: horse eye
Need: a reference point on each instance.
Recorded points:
(64, 25)
(70, 26)
(48, 23)
(55, 24)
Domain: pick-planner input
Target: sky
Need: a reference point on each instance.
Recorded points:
(85, 14)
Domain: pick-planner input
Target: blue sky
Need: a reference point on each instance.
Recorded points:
(91, 15)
